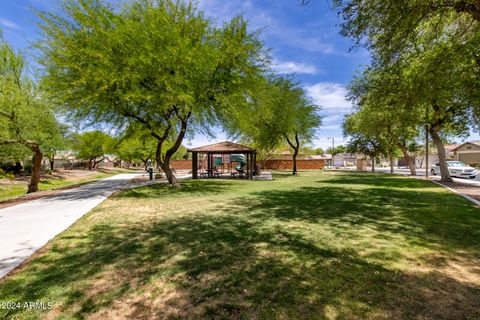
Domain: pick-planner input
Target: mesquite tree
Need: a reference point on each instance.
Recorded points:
(280, 114)
(25, 118)
(93, 146)
(161, 64)
(380, 112)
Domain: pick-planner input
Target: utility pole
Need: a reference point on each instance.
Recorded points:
(426, 142)
(333, 148)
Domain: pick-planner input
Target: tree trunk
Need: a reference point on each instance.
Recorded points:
(170, 152)
(411, 163)
(373, 164)
(295, 154)
(391, 163)
(97, 162)
(36, 168)
(296, 148)
(158, 155)
(90, 163)
(442, 156)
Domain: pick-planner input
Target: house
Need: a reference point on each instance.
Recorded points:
(344, 159)
(420, 160)
(325, 157)
(467, 152)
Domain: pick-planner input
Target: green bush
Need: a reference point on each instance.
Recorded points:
(6, 175)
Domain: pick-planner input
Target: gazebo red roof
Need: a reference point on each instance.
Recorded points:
(223, 147)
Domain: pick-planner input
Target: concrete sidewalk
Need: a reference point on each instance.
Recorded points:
(27, 227)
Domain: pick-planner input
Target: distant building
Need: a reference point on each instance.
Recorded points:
(344, 160)
(467, 152)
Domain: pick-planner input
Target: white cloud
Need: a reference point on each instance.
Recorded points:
(295, 67)
(331, 127)
(8, 24)
(258, 19)
(310, 44)
(331, 96)
(326, 143)
(333, 118)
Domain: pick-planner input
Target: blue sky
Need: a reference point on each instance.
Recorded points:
(303, 40)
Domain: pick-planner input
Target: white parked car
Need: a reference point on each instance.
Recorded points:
(456, 169)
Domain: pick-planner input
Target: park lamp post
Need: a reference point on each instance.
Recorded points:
(333, 148)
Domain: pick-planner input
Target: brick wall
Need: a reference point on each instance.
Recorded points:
(269, 164)
(288, 164)
(181, 164)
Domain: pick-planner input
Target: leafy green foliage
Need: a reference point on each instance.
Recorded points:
(93, 146)
(6, 175)
(336, 150)
(425, 66)
(26, 120)
(161, 64)
(279, 114)
(390, 27)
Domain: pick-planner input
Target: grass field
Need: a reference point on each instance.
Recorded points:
(13, 190)
(322, 245)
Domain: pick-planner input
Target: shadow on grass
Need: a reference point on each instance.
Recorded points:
(425, 217)
(374, 179)
(240, 266)
(197, 187)
(229, 268)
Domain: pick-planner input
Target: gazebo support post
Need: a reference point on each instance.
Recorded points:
(249, 165)
(246, 172)
(194, 165)
(252, 165)
(223, 149)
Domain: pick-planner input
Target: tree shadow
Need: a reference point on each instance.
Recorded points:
(226, 267)
(197, 187)
(374, 179)
(420, 216)
(248, 263)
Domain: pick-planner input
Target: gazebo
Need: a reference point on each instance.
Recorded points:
(210, 158)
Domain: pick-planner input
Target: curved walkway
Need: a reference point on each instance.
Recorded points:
(27, 227)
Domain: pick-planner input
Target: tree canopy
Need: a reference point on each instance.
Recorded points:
(93, 146)
(425, 54)
(280, 113)
(26, 119)
(161, 64)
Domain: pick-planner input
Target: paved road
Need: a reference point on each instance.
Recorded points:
(421, 172)
(27, 227)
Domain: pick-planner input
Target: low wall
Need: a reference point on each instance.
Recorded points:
(288, 164)
(181, 164)
(269, 164)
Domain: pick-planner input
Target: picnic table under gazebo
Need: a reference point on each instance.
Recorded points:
(224, 159)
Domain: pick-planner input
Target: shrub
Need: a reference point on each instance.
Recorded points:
(6, 175)
(474, 164)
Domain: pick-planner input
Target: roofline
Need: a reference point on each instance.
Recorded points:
(219, 151)
(462, 144)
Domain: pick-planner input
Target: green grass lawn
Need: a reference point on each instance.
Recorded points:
(322, 245)
(10, 190)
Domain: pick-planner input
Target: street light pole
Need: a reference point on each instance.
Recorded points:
(333, 148)
(426, 142)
